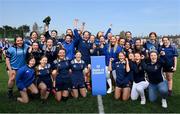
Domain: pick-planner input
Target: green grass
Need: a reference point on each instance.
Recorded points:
(89, 104)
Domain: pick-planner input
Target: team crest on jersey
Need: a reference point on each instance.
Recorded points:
(47, 71)
(74, 66)
(67, 63)
(156, 67)
(81, 66)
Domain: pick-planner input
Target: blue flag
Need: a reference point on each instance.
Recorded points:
(98, 74)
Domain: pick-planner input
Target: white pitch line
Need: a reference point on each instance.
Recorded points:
(100, 104)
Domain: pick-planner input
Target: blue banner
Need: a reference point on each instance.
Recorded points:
(98, 75)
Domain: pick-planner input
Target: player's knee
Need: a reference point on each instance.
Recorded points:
(43, 88)
(35, 91)
(116, 97)
(58, 99)
(75, 96)
(25, 100)
(125, 98)
(84, 95)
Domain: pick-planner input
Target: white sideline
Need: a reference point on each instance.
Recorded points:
(100, 104)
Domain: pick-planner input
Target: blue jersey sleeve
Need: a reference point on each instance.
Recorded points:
(106, 35)
(9, 52)
(77, 35)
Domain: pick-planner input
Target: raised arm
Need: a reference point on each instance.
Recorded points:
(76, 34)
(110, 64)
(108, 31)
(46, 28)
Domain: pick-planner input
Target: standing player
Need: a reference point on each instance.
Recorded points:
(15, 58)
(78, 68)
(172, 54)
(122, 70)
(61, 76)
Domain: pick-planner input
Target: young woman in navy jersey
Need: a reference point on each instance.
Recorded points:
(42, 41)
(61, 76)
(172, 54)
(121, 42)
(93, 45)
(122, 69)
(139, 81)
(70, 32)
(129, 38)
(78, 69)
(44, 81)
(100, 34)
(131, 56)
(50, 51)
(53, 35)
(127, 48)
(24, 80)
(15, 58)
(157, 82)
(101, 48)
(35, 51)
(112, 51)
(152, 44)
(33, 38)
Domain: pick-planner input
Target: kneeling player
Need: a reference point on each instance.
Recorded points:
(24, 81)
(44, 81)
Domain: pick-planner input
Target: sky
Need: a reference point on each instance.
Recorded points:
(138, 16)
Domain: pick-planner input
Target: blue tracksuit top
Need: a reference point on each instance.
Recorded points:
(150, 46)
(112, 53)
(25, 77)
(83, 47)
(70, 48)
(105, 36)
